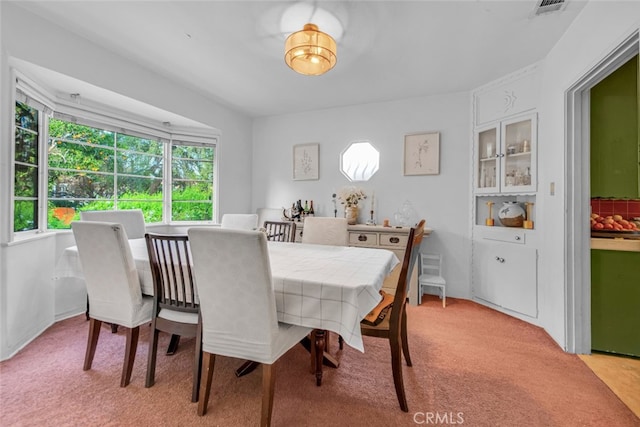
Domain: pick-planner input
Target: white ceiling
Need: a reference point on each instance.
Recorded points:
(232, 51)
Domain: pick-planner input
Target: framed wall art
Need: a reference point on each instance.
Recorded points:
(422, 154)
(306, 162)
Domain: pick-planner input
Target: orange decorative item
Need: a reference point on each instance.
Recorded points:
(528, 223)
(65, 215)
(489, 220)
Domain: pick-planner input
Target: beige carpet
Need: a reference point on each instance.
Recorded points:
(472, 366)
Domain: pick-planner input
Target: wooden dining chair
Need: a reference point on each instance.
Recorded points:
(280, 231)
(113, 287)
(238, 307)
(175, 308)
(394, 325)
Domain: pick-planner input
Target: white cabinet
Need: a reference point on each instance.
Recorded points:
(504, 163)
(505, 271)
(505, 156)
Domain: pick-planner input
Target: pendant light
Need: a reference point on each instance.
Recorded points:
(310, 51)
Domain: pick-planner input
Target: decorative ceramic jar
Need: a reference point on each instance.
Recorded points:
(511, 214)
(351, 213)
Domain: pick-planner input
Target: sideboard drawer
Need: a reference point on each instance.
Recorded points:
(363, 239)
(516, 237)
(393, 240)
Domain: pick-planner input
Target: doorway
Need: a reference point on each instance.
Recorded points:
(578, 197)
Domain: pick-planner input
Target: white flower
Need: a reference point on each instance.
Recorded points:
(350, 196)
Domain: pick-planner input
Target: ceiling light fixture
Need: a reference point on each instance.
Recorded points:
(310, 51)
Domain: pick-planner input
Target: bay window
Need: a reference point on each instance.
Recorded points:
(69, 163)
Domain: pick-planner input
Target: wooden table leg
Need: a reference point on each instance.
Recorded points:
(173, 344)
(327, 359)
(318, 339)
(246, 368)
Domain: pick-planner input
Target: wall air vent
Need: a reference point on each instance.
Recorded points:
(546, 6)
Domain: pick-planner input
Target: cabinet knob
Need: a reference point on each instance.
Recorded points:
(500, 259)
(517, 237)
(362, 238)
(394, 239)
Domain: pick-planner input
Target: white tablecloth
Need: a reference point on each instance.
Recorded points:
(322, 287)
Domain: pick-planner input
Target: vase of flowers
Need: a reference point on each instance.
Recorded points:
(349, 197)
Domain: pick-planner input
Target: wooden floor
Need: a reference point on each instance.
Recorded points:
(621, 374)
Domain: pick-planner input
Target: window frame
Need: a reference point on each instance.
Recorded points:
(100, 117)
(188, 140)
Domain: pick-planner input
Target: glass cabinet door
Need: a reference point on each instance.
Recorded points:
(518, 162)
(487, 153)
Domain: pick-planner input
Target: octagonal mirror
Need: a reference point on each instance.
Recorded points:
(359, 161)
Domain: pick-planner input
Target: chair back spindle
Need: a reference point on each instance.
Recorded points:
(170, 260)
(280, 231)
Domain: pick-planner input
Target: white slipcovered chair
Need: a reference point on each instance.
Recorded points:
(269, 214)
(326, 231)
(132, 220)
(240, 221)
(238, 307)
(113, 287)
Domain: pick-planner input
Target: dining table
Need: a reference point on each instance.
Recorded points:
(327, 288)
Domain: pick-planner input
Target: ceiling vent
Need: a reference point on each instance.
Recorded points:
(546, 6)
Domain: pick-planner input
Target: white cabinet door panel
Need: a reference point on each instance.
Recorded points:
(505, 275)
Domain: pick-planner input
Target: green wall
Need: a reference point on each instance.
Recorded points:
(614, 134)
(615, 302)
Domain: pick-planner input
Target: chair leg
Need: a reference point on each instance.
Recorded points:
(268, 385)
(92, 342)
(396, 367)
(197, 365)
(208, 362)
(405, 340)
(340, 342)
(129, 355)
(151, 359)
(444, 298)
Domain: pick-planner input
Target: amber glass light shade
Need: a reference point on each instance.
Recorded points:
(310, 52)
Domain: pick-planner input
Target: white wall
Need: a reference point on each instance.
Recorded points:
(443, 200)
(596, 31)
(28, 295)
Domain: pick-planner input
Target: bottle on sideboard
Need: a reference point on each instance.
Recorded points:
(311, 211)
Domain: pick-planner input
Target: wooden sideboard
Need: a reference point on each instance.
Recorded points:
(377, 236)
